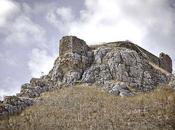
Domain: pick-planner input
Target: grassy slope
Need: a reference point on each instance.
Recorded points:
(81, 108)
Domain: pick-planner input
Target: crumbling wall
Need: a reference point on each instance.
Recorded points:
(116, 66)
(72, 44)
(165, 62)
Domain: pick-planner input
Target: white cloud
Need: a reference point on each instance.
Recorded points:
(12, 89)
(20, 33)
(61, 18)
(7, 59)
(120, 20)
(25, 32)
(40, 62)
(7, 7)
(149, 23)
(64, 13)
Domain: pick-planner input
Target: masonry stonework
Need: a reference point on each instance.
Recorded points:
(73, 44)
(165, 62)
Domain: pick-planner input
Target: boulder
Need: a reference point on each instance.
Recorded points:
(119, 88)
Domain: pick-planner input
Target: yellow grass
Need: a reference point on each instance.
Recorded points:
(90, 108)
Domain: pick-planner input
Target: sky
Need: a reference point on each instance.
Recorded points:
(30, 31)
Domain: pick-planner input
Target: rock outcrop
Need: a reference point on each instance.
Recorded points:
(121, 68)
(172, 82)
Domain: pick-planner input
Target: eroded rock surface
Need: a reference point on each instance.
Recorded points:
(121, 68)
(172, 81)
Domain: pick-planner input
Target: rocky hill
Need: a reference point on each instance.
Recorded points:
(120, 68)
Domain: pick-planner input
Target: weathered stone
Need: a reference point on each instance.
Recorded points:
(172, 81)
(122, 65)
(121, 61)
(119, 88)
(56, 74)
(99, 54)
(16, 101)
(12, 100)
(14, 104)
(75, 58)
(121, 68)
(36, 87)
(165, 62)
(97, 73)
(125, 93)
(2, 109)
(72, 44)
(39, 82)
(71, 77)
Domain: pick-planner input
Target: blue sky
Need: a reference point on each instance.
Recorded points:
(30, 31)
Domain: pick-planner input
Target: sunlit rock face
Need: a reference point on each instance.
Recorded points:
(121, 68)
(75, 58)
(117, 61)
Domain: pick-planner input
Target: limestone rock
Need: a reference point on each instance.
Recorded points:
(119, 88)
(35, 88)
(172, 81)
(75, 58)
(71, 77)
(122, 65)
(121, 68)
(14, 104)
(121, 61)
(97, 73)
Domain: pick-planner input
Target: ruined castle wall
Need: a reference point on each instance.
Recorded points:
(165, 62)
(72, 44)
(152, 58)
(75, 45)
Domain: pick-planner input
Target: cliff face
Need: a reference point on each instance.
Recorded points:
(121, 68)
(121, 62)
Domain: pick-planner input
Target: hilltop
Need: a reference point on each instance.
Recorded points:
(105, 72)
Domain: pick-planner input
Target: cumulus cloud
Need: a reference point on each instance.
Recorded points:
(40, 62)
(151, 24)
(19, 35)
(12, 89)
(65, 13)
(117, 20)
(61, 18)
(7, 8)
(23, 30)
(27, 30)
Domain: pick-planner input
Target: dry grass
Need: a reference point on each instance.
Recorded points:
(90, 108)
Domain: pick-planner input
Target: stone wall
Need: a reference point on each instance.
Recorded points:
(122, 68)
(72, 44)
(163, 61)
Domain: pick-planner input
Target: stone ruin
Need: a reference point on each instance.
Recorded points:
(72, 44)
(121, 68)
